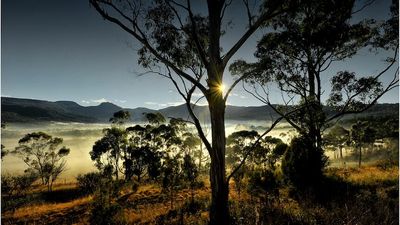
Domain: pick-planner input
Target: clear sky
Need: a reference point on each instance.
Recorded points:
(63, 50)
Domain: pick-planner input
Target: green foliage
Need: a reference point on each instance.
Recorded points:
(89, 182)
(190, 171)
(39, 152)
(171, 174)
(105, 209)
(105, 212)
(303, 164)
(120, 117)
(263, 181)
(238, 177)
(18, 185)
(107, 150)
(155, 118)
(262, 153)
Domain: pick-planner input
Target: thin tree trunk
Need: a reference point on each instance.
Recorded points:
(359, 158)
(219, 213)
(200, 155)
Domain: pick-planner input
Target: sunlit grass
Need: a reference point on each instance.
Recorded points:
(368, 174)
(46, 208)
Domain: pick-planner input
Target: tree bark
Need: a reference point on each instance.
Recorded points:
(219, 213)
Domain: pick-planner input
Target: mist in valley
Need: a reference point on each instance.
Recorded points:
(80, 138)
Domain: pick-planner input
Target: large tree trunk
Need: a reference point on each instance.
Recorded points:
(219, 213)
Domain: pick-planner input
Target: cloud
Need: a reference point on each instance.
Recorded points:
(101, 100)
(97, 101)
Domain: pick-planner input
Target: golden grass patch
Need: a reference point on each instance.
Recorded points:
(41, 209)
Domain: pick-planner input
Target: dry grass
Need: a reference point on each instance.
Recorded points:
(46, 208)
(368, 174)
(149, 203)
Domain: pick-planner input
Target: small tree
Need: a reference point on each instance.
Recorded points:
(302, 164)
(361, 133)
(120, 117)
(190, 172)
(40, 153)
(107, 150)
(171, 176)
(338, 137)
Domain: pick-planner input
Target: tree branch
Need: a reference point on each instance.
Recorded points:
(142, 39)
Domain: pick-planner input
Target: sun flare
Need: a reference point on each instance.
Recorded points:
(221, 88)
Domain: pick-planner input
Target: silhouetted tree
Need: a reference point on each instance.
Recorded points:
(40, 153)
(120, 117)
(361, 133)
(302, 166)
(188, 44)
(171, 176)
(238, 143)
(295, 55)
(338, 137)
(113, 146)
(107, 150)
(190, 172)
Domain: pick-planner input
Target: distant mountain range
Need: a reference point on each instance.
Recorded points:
(18, 110)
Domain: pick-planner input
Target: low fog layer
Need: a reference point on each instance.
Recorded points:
(80, 137)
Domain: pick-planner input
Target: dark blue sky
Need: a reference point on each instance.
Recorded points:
(63, 50)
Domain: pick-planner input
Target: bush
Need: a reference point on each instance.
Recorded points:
(89, 182)
(303, 164)
(263, 181)
(105, 210)
(19, 184)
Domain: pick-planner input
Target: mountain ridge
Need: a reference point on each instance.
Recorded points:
(23, 110)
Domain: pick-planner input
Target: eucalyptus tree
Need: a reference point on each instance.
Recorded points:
(109, 150)
(186, 42)
(41, 153)
(361, 133)
(338, 136)
(299, 53)
(190, 173)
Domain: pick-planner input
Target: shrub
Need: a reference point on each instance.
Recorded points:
(263, 181)
(135, 186)
(303, 164)
(89, 182)
(19, 184)
(105, 210)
